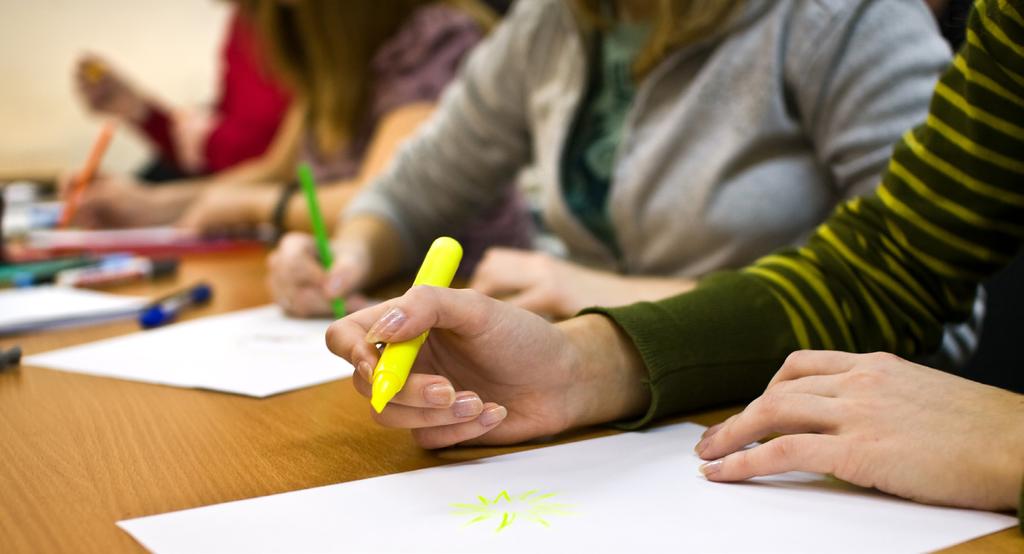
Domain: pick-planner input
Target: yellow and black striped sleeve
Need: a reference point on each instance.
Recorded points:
(886, 271)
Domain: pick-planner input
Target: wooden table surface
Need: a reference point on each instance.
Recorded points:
(78, 453)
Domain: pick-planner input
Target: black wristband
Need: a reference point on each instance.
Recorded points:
(281, 209)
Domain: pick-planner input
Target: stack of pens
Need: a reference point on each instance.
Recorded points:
(86, 271)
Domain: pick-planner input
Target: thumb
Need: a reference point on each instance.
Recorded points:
(192, 219)
(346, 275)
(64, 183)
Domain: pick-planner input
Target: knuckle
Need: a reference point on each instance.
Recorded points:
(428, 439)
(545, 262)
(383, 419)
(882, 358)
(335, 337)
(867, 377)
(767, 406)
(781, 448)
(422, 294)
(795, 357)
(849, 467)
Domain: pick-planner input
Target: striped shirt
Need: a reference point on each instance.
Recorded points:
(886, 271)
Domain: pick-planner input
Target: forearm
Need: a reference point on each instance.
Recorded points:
(174, 200)
(650, 289)
(461, 162)
(333, 199)
(257, 171)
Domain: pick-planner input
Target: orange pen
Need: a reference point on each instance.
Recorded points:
(83, 177)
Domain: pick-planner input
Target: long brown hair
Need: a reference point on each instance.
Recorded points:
(676, 23)
(322, 49)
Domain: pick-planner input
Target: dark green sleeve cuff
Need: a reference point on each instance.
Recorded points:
(719, 344)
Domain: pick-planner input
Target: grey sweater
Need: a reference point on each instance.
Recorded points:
(735, 146)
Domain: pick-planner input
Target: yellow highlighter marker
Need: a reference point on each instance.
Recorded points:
(438, 270)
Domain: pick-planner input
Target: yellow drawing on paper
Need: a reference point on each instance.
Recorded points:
(531, 506)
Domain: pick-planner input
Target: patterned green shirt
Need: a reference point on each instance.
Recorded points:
(589, 159)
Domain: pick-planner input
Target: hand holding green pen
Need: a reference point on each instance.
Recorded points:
(319, 230)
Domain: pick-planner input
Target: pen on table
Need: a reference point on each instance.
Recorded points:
(319, 230)
(438, 270)
(116, 269)
(85, 175)
(10, 358)
(166, 309)
(46, 271)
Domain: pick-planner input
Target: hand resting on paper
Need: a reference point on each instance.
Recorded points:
(491, 373)
(877, 420)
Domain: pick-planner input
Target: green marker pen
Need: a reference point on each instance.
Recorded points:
(319, 230)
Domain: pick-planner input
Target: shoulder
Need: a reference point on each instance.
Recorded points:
(428, 29)
(815, 25)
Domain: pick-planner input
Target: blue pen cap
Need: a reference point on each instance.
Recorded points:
(155, 316)
(201, 293)
(165, 312)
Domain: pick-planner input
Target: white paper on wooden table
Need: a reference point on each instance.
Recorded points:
(633, 492)
(256, 352)
(24, 310)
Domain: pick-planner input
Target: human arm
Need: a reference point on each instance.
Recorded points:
(307, 292)
(856, 84)
(879, 421)
(462, 160)
(884, 272)
(250, 109)
(106, 91)
(394, 130)
(119, 201)
(557, 288)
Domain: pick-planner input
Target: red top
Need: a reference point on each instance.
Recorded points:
(249, 110)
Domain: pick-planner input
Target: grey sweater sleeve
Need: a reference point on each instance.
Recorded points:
(461, 161)
(857, 102)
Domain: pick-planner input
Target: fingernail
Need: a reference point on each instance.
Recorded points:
(386, 326)
(493, 416)
(440, 394)
(710, 431)
(467, 406)
(699, 448)
(334, 286)
(711, 468)
(365, 370)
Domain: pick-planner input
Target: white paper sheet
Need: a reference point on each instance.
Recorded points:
(634, 492)
(256, 352)
(106, 238)
(28, 309)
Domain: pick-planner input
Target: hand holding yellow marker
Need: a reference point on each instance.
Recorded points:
(438, 270)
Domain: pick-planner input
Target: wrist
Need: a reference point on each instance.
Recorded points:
(609, 380)
(1014, 479)
(1002, 468)
(279, 210)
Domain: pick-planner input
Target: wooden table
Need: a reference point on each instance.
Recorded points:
(78, 453)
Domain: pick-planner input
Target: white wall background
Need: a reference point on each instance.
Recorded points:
(170, 47)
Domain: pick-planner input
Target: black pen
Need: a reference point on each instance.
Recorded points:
(10, 358)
